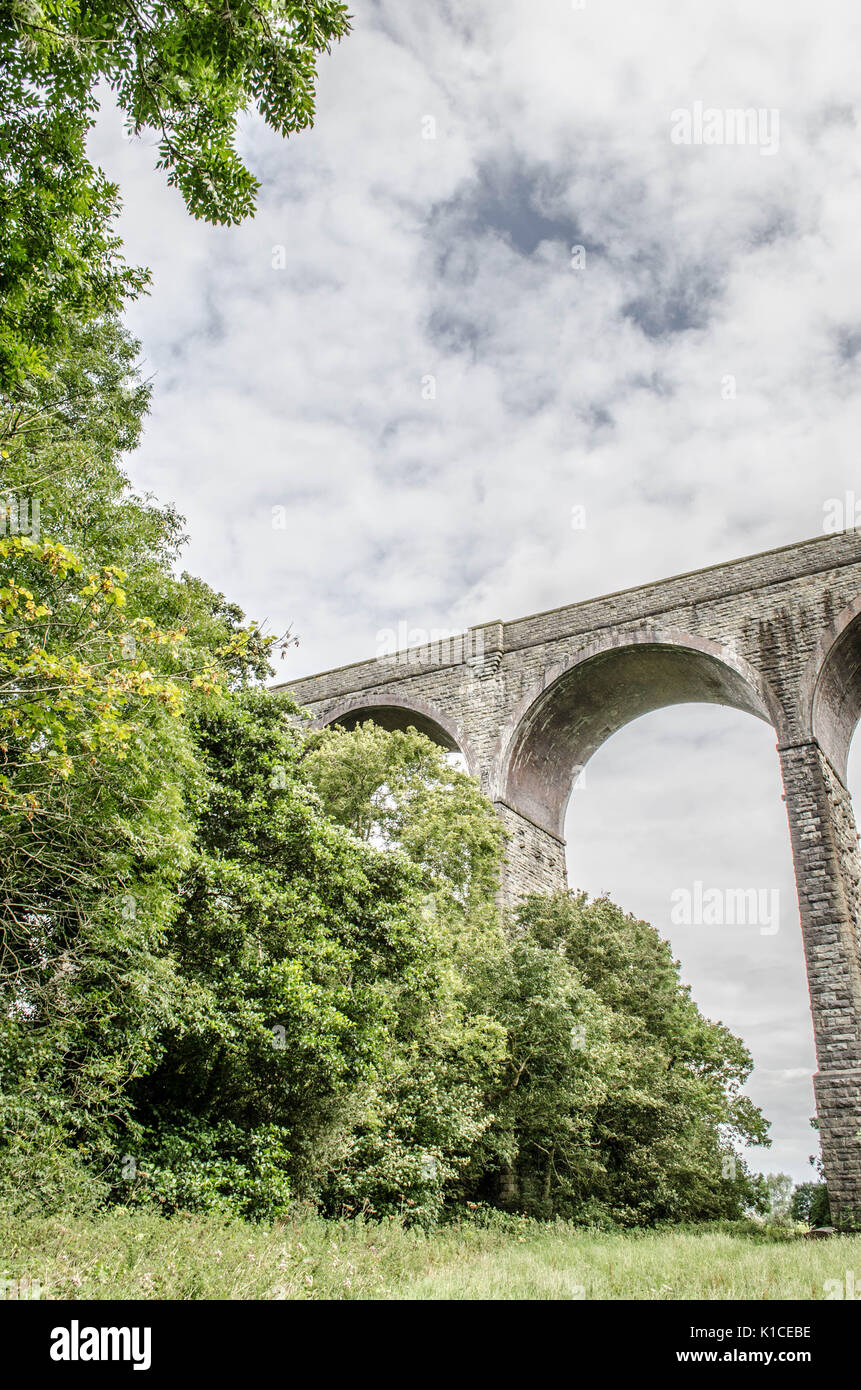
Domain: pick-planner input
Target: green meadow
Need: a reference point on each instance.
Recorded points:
(134, 1255)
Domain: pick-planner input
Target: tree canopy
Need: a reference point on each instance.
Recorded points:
(185, 71)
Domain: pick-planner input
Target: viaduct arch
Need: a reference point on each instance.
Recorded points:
(528, 702)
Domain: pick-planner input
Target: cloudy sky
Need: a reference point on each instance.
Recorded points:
(488, 288)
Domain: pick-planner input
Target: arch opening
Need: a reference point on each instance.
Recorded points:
(836, 707)
(393, 717)
(392, 714)
(679, 818)
(579, 709)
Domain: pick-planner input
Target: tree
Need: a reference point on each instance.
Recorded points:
(186, 71)
(62, 261)
(810, 1204)
(810, 1199)
(399, 790)
(92, 837)
(599, 1090)
(416, 1122)
(103, 656)
(293, 944)
(618, 1099)
(246, 962)
(780, 1194)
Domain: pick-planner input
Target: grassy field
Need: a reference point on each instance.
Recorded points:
(142, 1255)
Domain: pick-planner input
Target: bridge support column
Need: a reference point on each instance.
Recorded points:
(828, 876)
(534, 857)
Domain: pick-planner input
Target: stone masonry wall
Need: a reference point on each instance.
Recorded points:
(535, 859)
(821, 842)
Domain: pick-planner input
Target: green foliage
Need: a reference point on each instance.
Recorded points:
(398, 790)
(221, 1167)
(810, 1203)
(92, 838)
(618, 1099)
(810, 1199)
(98, 766)
(779, 1187)
(185, 71)
(62, 258)
(290, 941)
(415, 1123)
(213, 979)
(557, 1068)
(322, 983)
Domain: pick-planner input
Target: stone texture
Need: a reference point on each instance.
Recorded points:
(535, 860)
(528, 703)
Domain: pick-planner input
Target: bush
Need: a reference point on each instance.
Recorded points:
(193, 1166)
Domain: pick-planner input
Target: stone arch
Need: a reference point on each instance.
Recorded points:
(831, 688)
(577, 706)
(393, 711)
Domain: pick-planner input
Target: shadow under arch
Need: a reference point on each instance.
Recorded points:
(577, 707)
(831, 686)
(395, 712)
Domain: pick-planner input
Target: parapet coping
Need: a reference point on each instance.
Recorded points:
(835, 562)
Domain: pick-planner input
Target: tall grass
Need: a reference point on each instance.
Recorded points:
(141, 1255)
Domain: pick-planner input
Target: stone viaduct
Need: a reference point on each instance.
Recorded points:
(528, 702)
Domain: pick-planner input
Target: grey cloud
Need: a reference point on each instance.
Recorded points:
(848, 342)
(675, 301)
(507, 200)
